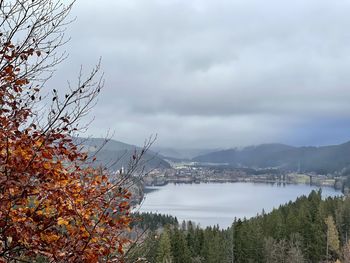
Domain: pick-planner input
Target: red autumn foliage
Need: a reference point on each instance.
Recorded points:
(53, 205)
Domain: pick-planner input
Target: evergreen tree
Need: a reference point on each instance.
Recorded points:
(293, 233)
(164, 252)
(145, 250)
(180, 251)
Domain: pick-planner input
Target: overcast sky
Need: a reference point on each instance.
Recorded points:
(216, 73)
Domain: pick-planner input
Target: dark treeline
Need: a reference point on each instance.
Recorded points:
(307, 230)
(185, 244)
(152, 221)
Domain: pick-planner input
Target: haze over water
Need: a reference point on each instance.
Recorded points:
(211, 204)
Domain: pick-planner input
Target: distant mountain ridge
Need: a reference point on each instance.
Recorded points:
(324, 159)
(115, 154)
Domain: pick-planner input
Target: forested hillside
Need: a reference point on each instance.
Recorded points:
(307, 230)
(326, 159)
(115, 155)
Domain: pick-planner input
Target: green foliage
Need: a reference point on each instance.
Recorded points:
(294, 233)
(151, 221)
(332, 235)
(164, 251)
(296, 230)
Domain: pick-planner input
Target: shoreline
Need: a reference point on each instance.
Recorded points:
(149, 188)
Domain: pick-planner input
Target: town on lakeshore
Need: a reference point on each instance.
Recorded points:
(192, 172)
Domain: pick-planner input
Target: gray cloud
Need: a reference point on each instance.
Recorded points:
(215, 73)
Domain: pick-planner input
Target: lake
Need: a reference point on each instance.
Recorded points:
(211, 204)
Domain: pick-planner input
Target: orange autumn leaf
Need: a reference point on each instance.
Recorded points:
(62, 221)
(47, 166)
(53, 204)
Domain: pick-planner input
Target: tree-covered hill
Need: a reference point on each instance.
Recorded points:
(307, 230)
(115, 154)
(326, 159)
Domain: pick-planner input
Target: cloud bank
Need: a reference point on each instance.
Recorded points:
(221, 73)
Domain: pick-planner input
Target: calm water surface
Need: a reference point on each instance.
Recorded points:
(211, 204)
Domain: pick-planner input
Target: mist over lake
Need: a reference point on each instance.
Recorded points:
(211, 204)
